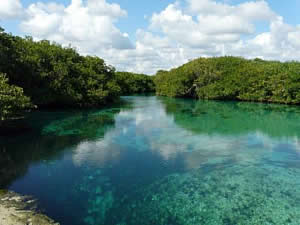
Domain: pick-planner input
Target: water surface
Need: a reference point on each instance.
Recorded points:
(160, 161)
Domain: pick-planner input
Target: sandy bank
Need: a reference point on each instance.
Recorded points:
(19, 210)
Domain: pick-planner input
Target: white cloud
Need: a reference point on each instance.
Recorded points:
(88, 25)
(294, 38)
(210, 28)
(184, 30)
(214, 23)
(280, 43)
(10, 9)
(251, 10)
(200, 28)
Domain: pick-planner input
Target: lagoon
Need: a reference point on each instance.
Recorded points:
(160, 161)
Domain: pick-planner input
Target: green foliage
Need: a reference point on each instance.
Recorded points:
(12, 100)
(3, 192)
(233, 78)
(132, 83)
(56, 76)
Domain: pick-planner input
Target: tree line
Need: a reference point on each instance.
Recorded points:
(44, 74)
(233, 78)
(135, 83)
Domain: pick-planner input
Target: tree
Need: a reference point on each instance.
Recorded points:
(12, 100)
(132, 83)
(233, 78)
(52, 75)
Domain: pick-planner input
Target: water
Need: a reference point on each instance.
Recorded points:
(160, 161)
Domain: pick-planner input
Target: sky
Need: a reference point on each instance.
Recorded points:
(147, 36)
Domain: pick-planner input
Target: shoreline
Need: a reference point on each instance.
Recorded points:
(20, 210)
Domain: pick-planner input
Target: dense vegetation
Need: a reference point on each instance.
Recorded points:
(233, 78)
(55, 76)
(135, 83)
(12, 99)
(46, 74)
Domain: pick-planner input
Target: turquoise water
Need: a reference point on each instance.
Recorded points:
(160, 161)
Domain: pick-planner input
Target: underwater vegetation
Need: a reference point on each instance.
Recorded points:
(160, 161)
(97, 191)
(240, 195)
(215, 117)
(57, 132)
(85, 125)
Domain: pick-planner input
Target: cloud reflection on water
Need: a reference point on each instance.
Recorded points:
(148, 127)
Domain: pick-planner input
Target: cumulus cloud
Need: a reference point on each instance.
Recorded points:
(207, 23)
(10, 9)
(214, 22)
(184, 30)
(88, 25)
(206, 28)
(280, 43)
(251, 10)
(211, 28)
(151, 53)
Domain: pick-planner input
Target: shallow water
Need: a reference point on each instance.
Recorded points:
(155, 160)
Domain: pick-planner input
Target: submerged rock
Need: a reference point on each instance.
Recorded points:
(20, 210)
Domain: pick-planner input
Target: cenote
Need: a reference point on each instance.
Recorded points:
(160, 161)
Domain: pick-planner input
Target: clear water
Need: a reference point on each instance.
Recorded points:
(161, 161)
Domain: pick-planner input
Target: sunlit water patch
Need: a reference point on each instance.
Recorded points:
(161, 161)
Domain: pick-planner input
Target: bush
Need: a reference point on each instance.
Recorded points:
(12, 100)
(233, 78)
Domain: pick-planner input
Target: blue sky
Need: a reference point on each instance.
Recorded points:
(137, 9)
(145, 36)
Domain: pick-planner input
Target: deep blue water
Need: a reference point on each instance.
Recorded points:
(156, 160)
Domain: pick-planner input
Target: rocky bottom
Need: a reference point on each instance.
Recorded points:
(240, 195)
